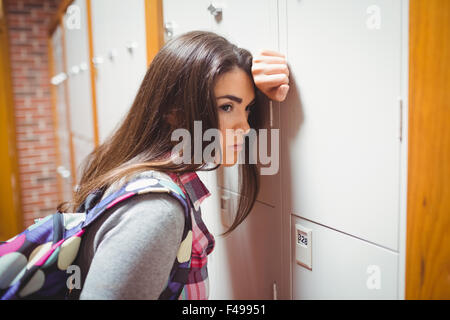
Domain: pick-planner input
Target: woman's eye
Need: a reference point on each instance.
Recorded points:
(226, 107)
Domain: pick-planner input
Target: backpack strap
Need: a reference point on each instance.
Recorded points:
(138, 186)
(91, 200)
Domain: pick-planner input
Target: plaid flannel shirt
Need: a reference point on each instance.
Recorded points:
(203, 241)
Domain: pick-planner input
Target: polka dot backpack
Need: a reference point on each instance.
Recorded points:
(36, 264)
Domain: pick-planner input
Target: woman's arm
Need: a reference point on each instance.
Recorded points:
(271, 74)
(135, 248)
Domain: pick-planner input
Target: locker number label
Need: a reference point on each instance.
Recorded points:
(302, 239)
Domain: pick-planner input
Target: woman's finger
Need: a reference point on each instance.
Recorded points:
(272, 80)
(269, 60)
(282, 92)
(262, 68)
(278, 93)
(267, 52)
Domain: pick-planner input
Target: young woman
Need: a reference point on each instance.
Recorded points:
(128, 253)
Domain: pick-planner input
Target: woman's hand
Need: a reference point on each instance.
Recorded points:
(271, 74)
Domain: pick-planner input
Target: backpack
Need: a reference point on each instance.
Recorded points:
(36, 264)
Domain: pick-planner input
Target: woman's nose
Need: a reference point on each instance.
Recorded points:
(243, 126)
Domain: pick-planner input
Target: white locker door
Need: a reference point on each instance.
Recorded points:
(77, 55)
(251, 24)
(183, 16)
(343, 267)
(131, 42)
(119, 57)
(79, 83)
(102, 33)
(341, 122)
(82, 148)
(246, 264)
(64, 167)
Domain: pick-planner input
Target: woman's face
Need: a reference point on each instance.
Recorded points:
(235, 96)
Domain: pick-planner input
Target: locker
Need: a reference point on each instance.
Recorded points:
(247, 263)
(235, 18)
(60, 100)
(133, 59)
(252, 275)
(79, 79)
(102, 31)
(83, 148)
(250, 24)
(183, 16)
(343, 267)
(119, 58)
(341, 121)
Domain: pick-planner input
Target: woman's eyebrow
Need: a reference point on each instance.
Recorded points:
(231, 97)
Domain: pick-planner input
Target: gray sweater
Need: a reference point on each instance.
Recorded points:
(128, 252)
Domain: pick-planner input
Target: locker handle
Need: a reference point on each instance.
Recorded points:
(112, 54)
(74, 70)
(215, 10)
(131, 46)
(168, 28)
(59, 78)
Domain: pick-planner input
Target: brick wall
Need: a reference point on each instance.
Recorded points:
(28, 22)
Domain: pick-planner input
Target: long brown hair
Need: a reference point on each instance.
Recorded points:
(178, 89)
